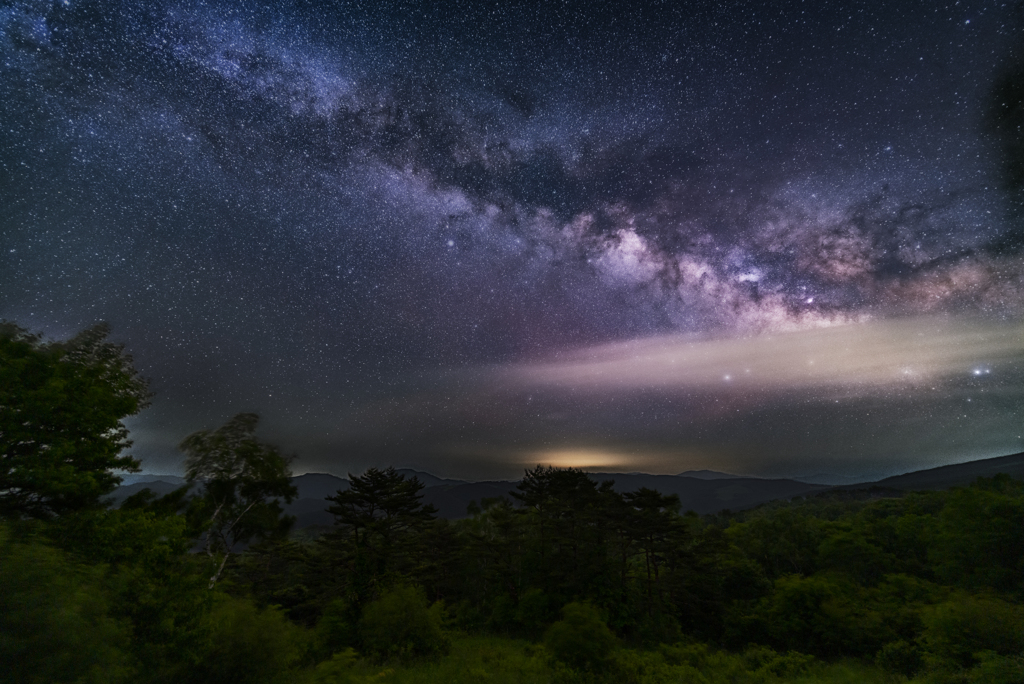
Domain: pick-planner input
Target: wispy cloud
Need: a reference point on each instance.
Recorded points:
(873, 353)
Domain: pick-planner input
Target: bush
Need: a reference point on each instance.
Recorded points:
(335, 632)
(533, 612)
(997, 669)
(900, 657)
(337, 670)
(400, 624)
(580, 639)
(248, 645)
(54, 621)
(768, 662)
(957, 630)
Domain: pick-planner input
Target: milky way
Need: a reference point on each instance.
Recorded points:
(369, 221)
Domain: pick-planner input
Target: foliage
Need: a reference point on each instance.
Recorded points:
(401, 624)
(334, 632)
(958, 629)
(285, 573)
(61, 411)
(980, 536)
(993, 668)
(248, 645)
(338, 669)
(150, 580)
(243, 480)
(581, 639)
(567, 519)
(379, 522)
(55, 623)
(472, 659)
(900, 658)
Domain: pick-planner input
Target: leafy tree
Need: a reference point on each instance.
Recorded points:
(900, 657)
(337, 670)
(851, 552)
(783, 541)
(243, 482)
(493, 556)
(440, 566)
(285, 573)
(61, 411)
(825, 615)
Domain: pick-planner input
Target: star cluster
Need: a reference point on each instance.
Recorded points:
(347, 215)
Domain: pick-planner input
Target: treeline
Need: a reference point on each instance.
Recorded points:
(925, 581)
(208, 585)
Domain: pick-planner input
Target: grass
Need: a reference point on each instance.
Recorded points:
(498, 660)
(845, 672)
(473, 659)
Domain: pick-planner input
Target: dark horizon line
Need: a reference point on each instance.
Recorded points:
(803, 479)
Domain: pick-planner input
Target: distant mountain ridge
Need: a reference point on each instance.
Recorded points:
(701, 491)
(708, 475)
(957, 474)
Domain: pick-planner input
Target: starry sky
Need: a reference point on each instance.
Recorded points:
(769, 238)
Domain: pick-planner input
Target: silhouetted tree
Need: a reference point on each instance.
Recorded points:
(565, 511)
(658, 532)
(379, 520)
(243, 480)
(61, 411)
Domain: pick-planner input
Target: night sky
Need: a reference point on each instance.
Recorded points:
(769, 238)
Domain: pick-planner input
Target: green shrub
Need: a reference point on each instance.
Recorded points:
(335, 631)
(826, 615)
(533, 612)
(996, 669)
(248, 645)
(580, 639)
(766, 661)
(337, 670)
(54, 620)
(400, 624)
(992, 668)
(900, 657)
(966, 625)
(694, 655)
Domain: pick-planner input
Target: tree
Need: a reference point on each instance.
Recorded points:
(243, 482)
(379, 518)
(568, 514)
(61, 411)
(658, 531)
